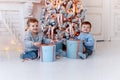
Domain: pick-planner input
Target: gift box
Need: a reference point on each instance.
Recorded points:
(47, 53)
(73, 48)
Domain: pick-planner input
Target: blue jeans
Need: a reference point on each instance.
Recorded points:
(30, 55)
(85, 54)
(88, 52)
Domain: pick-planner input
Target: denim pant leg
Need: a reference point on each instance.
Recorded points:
(30, 55)
(61, 53)
(88, 52)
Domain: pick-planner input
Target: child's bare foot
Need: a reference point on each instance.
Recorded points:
(26, 59)
(58, 57)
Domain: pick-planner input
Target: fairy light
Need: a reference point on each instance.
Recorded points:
(19, 49)
(6, 49)
(59, 2)
(13, 42)
(51, 0)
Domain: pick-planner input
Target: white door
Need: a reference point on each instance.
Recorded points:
(98, 14)
(115, 19)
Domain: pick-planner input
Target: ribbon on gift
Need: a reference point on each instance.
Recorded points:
(53, 53)
(41, 54)
(38, 53)
(78, 48)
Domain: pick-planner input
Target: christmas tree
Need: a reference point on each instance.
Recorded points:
(62, 18)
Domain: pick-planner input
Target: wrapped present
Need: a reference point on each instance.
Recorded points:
(47, 53)
(73, 48)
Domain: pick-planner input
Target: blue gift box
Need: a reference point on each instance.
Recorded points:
(73, 48)
(48, 53)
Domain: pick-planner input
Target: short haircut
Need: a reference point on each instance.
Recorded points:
(31, 20)
(86, 23)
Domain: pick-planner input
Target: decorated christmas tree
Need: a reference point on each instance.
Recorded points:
(62, 18)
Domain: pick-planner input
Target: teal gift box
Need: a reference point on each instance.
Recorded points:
(47, 53)
(73, 48)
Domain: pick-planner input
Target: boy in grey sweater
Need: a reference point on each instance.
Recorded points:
(32, 40)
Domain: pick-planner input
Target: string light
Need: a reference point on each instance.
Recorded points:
(13, 42)
(6, 49)
(19, 50)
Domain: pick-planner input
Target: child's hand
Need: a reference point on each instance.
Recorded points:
(37, 44)
(83, 41)
(84, 49)
(52, 42)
